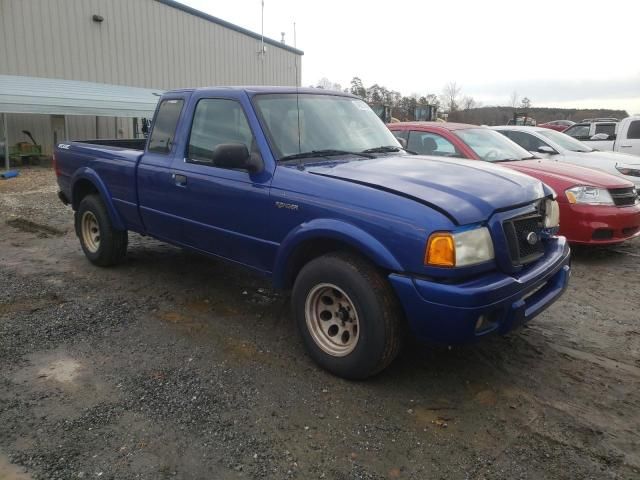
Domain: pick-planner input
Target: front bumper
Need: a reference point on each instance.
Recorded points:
(450, 313)
(599, 224)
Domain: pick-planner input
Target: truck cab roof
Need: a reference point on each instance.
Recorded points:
(258, 89)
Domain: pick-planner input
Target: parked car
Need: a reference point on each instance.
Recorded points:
(309, 188)
(557, 125)
(522, 120)
(563, 148)
(609, 134)
(595, 207)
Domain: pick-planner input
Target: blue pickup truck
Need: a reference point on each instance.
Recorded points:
(309, 188)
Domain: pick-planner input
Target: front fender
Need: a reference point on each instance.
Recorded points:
(90, 175)
(337, 230)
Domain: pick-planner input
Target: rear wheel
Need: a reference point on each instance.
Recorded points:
(347, 314)
(102, 244)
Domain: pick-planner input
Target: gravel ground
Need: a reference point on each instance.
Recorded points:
(177, 366)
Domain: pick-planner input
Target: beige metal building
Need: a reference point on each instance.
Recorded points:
(153, 44)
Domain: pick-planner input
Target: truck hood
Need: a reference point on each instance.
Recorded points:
(467, 191)
(562, 175)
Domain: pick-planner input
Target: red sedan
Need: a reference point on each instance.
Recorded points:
(595, 207)
(557, 125)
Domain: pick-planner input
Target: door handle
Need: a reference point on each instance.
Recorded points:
(180, 180)
(626, 146)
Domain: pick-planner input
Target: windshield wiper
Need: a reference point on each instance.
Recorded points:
(388, 149)
(323, 153)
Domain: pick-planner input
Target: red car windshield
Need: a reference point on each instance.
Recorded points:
(492, 146)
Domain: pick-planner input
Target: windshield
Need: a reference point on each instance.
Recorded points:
(322, 123)
(565, 141)
(491, 146)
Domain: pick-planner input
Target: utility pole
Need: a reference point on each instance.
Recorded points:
(5, 129)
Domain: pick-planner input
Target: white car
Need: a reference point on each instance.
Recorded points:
(557, 146)
(609, 134)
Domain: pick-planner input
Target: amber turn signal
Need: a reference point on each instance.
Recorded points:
(441, 250)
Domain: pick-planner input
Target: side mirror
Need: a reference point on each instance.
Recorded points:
(546, 149)
(236, 156)
(600, 136)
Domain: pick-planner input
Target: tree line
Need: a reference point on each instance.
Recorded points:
(403, 107)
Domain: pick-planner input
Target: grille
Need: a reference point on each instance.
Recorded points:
(516, 231)
(623, 197)
(602, 234)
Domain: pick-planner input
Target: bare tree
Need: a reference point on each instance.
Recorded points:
(468, 103)
(432, 99)
(327, 84)
(450, 95)
(513, 99)
(525, 104)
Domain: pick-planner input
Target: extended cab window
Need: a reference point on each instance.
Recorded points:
(217, 121)
(165, 125)
(426, 143)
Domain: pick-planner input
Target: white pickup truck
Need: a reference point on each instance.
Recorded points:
(622, 136)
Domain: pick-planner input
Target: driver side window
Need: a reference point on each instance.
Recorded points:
(606, 128)
(217, 122)
(581, 132)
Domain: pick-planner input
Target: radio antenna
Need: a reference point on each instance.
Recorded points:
(295, 63)
(262, 31)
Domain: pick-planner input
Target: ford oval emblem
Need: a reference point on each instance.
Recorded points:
(532, 238)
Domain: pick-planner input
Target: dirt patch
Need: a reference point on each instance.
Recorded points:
(25, 225)
(173, 365)
(26, 304)
(64, 371)
(9, 471)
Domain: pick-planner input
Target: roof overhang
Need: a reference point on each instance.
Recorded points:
(51, 96)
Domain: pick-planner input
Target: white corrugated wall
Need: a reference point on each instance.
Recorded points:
(140, 43)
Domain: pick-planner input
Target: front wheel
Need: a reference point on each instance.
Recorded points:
(347, 314)
(102, 244)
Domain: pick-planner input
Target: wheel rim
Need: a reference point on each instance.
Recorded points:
(332, 319)
(90, 231)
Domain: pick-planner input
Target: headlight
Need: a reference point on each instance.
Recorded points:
(632, 172)
(462, 249)
(589, 195)
(552, 214)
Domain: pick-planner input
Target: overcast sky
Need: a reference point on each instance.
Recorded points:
(558, 53)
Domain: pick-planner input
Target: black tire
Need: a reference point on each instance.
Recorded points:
(112, 244)
(380, 319)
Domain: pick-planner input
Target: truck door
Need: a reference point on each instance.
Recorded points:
(628, 140)
(222, 211)
(154, 172)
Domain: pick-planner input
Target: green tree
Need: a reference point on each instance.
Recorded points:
(357, 88)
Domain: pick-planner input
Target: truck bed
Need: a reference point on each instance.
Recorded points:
(128, 143)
